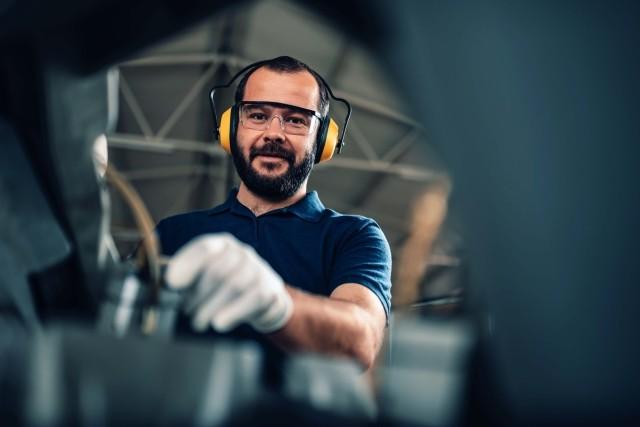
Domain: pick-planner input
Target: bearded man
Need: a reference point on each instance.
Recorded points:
(272, 257)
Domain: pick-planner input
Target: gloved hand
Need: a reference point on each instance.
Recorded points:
(232, 284)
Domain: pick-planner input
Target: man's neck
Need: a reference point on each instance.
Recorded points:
(259, 206)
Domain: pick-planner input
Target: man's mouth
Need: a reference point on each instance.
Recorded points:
(271, 156)
(271, 152)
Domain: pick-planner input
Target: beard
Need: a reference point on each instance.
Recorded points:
(277, 188)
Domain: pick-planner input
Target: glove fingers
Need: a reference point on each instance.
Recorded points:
(215, 274)
(274, 316)
(205, 311)
(237, 311)
(188, 262)
(224, 293)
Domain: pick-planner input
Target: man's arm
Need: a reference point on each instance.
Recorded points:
(350, 322)
(231, 284)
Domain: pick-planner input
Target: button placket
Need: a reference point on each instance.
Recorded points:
(256, 225)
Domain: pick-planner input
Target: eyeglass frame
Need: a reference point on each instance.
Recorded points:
(283, 125)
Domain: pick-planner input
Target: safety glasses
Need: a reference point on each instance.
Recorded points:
(258, 115)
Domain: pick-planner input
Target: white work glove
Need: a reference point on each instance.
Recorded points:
(232, 284)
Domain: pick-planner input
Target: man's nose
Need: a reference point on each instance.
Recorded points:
(275, 130)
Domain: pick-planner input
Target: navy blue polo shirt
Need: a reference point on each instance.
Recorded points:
(313, 248)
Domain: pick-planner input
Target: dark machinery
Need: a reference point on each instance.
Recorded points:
(534, 107)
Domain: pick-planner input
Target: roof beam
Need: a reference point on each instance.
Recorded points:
(195, 90)
(132, 103)
(237, 62)
(172, 172)
(166, 146)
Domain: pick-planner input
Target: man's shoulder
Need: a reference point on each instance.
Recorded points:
(348, 220)
(176, 230)
(353, 226)
(186, 221)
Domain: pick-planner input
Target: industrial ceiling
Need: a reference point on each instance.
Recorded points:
(164, 140)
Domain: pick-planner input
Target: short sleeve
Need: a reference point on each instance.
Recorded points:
(162, 232)
(171, 235)
(364, 257)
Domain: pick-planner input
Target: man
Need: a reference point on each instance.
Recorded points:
(309, 278)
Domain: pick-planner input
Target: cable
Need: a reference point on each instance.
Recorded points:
(150, 251)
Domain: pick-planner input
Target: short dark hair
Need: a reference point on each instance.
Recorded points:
(287, 64)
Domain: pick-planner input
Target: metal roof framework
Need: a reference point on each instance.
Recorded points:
(378, 176)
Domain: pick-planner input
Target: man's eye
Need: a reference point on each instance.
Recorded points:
(297, 121)
(257, 116)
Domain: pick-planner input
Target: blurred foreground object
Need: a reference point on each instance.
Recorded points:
(425, 381)
(534, 107)
(73, 376)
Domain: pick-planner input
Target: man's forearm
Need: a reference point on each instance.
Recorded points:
(331, 326)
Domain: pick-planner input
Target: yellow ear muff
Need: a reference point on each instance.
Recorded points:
(225, 131)
(330, 141)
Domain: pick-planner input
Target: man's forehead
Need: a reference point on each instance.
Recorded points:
(298, 88)
(267, 105)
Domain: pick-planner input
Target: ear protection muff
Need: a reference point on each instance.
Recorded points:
(328, 140)
(228, 127)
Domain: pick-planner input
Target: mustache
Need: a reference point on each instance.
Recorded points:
(271, 149)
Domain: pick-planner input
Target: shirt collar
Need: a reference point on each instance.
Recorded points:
(231, 200)
(309, 208)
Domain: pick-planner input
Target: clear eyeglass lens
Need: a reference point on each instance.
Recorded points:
(292, 121)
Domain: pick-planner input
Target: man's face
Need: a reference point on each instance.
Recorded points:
(274, 163)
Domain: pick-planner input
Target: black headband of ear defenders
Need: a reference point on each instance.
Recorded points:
(259, 64)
